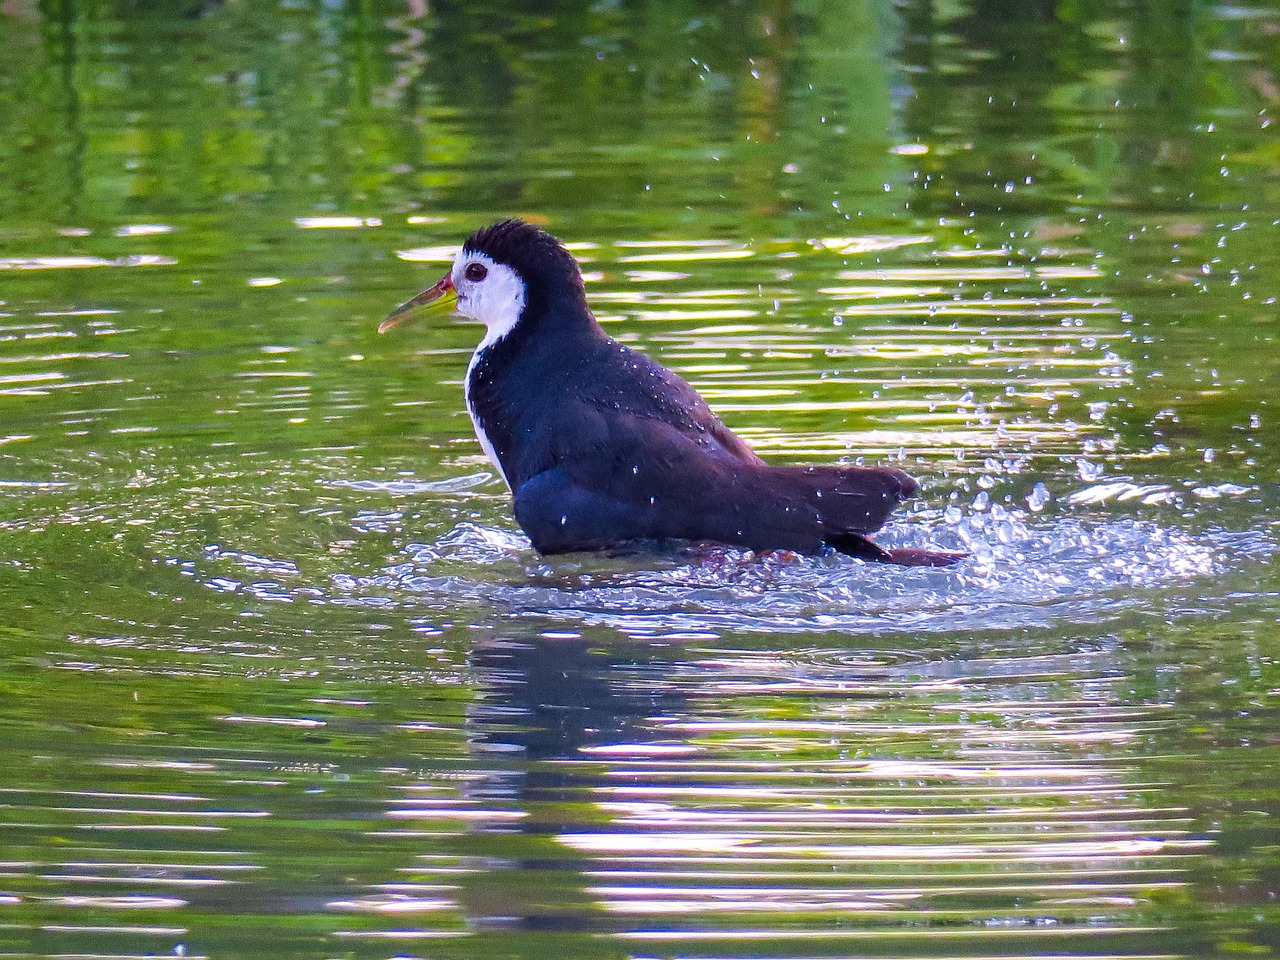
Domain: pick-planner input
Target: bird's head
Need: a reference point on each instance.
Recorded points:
(504, 274)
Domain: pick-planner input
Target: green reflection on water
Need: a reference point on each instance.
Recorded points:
(280, 679)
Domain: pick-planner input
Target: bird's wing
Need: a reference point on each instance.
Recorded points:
(633, 383)
(638, 454)
(614, 475)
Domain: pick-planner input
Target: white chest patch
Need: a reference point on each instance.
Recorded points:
(496, 300)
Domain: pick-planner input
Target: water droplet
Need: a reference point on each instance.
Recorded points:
(1088, 471)
(1038, 497)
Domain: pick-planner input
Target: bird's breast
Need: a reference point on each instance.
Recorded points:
(485, 408)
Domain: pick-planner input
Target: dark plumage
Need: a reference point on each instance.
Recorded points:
(601, 445)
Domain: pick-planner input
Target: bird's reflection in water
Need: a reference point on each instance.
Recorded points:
(542, 704)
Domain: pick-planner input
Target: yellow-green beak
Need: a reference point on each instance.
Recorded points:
(440, 297)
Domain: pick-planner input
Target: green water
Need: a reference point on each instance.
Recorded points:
(279, 675)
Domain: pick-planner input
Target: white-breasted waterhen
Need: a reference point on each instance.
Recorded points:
(602, 447)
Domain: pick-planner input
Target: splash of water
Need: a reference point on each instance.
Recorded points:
(1023, 569)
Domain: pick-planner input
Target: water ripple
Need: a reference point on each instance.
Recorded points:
(1021, 570)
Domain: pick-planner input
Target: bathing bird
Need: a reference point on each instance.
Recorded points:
(602, 447)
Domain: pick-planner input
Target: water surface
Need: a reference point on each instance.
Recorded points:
(283, 678)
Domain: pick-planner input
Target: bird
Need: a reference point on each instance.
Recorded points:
(603, 448)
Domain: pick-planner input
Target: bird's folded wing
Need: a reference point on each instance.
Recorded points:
(618, 476)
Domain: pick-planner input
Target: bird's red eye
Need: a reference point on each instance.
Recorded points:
(475, 272)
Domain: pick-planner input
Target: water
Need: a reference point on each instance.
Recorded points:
(282, 678)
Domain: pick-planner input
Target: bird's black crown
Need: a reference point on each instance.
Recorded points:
(538, 257)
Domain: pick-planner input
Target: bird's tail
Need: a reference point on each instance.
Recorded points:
(853, 502)
(864, 548)
(846, 499)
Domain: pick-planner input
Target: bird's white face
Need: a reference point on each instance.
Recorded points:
(488, 291)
